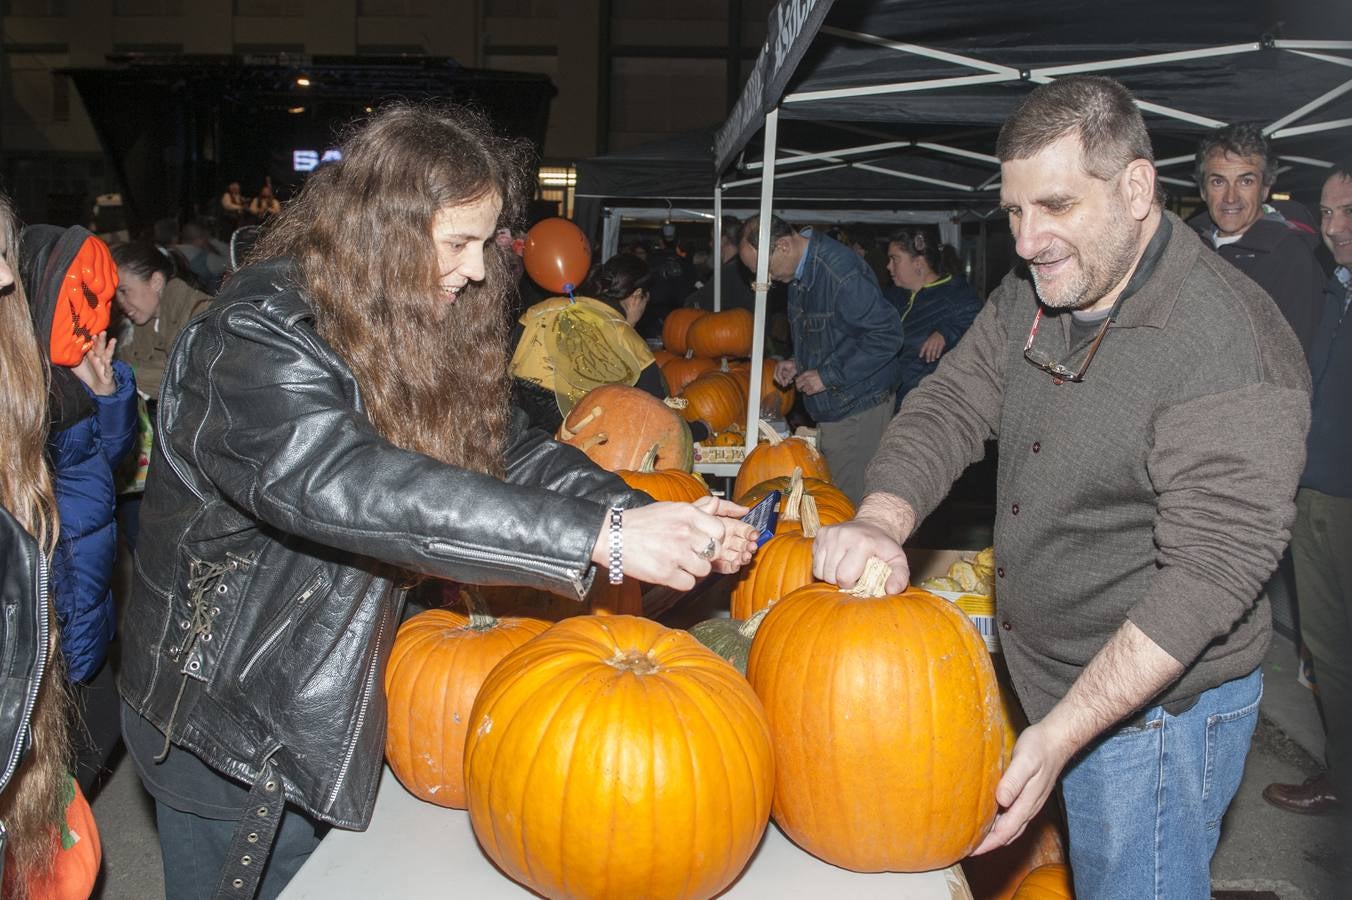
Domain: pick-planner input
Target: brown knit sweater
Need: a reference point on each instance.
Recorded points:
(1160, 489)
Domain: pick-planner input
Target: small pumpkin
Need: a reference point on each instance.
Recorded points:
(676, 326)
(996, 875)
(782, 565)
(664, 484)
(833, 507)
(1049, 882)
(725, 333)
(437, 664)
(885, 715)
(730, 638)
(732, 437)
(681, 370)
(615, 757)
(616, 425)
(716, 399)
(77, 857)
(775, 456)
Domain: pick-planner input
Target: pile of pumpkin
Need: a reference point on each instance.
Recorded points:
(606, 755)
(704, 362)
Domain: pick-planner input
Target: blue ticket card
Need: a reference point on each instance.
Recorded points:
(763, 516)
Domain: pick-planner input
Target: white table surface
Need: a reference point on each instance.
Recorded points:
(418, 850)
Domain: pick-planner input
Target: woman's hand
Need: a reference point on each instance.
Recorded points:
(676, 544)
(96, 369)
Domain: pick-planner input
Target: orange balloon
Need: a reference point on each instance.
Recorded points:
(557, 255)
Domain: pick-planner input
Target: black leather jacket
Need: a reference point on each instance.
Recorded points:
(275, 529)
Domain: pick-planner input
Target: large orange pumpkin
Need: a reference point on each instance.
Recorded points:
(726, 333)
(1049, 882)
(614, 757)
(885, 715)
(833, 507)
(775, 456)
(439, 660)
(716, 399)
(664, 484)
(775, 400)
(616, 425)
(676, 326)
(679, 371)
(782, 565)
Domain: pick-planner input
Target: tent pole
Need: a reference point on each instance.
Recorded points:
(762, 284)
(716, 253)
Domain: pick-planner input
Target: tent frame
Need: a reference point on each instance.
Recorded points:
(987, 73)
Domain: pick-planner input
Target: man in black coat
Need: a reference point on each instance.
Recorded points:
(1235, 175)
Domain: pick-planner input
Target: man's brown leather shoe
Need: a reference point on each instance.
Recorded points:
(1315, 795)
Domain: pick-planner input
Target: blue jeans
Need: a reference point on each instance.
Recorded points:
(1144, 805)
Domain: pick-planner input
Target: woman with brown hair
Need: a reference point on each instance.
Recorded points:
(35, 780)
(336, 426)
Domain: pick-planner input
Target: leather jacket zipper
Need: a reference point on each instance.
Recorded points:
(44, 638)
(297, 606)
(366, 693)
(502, 560)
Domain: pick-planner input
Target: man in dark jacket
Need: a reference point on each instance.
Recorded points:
(1323, 531)
(1235, 174)
(846, 343)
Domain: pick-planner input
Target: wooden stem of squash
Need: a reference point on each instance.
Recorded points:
(791, 508)
(811, 521)
(568, 433)
(677, 403)
(480, 619)
(873, 583)
(768, 434)
(749, 628)
(633, 661)
(649, 459)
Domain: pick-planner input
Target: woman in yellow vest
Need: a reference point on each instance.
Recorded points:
(567, 346)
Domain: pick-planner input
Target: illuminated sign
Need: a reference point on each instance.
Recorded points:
(309, 160)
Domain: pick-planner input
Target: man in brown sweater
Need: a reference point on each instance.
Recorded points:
(1151, 405)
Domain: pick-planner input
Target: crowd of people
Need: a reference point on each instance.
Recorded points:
(272, 442)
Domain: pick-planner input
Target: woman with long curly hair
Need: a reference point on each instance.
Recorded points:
(33, 698)
(335, 427)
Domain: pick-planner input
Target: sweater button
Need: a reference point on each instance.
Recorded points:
(1015, 509)
(1000, 571)
(1006, 626)
(1037, 445)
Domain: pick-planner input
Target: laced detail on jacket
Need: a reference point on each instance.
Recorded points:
(203, 584)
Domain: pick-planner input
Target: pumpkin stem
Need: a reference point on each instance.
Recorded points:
(768, 434)
(808, 513)
(676, 402)
(690, 354)
(873, 583)
(594, 441)
(749, 628)
(634, 661)
(569, 433)
(649, 459)
(480, 619)
(791, 508)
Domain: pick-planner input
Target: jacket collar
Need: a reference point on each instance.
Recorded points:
(1153, 303)
(274, 285)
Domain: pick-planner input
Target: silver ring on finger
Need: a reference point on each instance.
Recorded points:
(709, 550)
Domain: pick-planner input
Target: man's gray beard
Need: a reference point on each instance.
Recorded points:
(1113, 253)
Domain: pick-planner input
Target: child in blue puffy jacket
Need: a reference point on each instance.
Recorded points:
(70, 279)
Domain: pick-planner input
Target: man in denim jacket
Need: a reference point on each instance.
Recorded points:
(846, 343)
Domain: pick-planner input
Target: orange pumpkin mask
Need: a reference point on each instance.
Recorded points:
(84, 302)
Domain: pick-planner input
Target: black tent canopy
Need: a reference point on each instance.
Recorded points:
(915, 92)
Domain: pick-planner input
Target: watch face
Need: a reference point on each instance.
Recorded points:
(84, 302)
